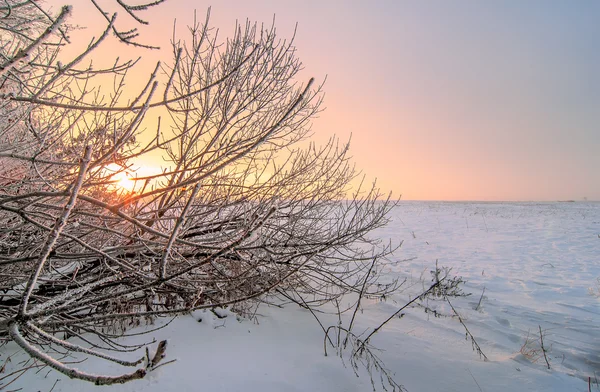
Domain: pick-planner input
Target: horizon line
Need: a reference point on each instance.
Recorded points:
(502, 201)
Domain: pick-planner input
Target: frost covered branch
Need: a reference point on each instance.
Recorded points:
(242, 205)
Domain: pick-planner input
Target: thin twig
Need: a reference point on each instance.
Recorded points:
(542, 346)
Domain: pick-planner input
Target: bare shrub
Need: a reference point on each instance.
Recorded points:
(240, 209)
(534, 347)
(357, 349)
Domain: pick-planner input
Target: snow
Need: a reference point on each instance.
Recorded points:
(538, 262)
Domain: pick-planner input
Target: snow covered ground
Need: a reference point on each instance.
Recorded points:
(538, 263)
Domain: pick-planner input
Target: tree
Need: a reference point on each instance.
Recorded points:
(239, 211)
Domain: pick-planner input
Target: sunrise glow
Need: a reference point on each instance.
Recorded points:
(447, 101)
(121, 179)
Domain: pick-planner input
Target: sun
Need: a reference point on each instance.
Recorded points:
(120, 178)
(136, 177)
(124, 181)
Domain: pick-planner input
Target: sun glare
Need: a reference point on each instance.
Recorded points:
(121, 179)
(131, 179)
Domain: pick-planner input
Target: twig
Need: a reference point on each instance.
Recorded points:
(469, 334)
(163, 364)
(542, 345)
(55, 382)
(480, 299)
(430, 289)
(473, 377)
(305, 306)
(360, 296)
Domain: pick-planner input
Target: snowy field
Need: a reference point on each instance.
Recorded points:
(538, 263)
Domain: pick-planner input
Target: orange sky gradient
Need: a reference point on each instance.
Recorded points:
(443, 100)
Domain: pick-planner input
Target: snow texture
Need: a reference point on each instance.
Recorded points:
(538, 262)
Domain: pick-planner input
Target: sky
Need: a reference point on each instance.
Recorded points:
(461, 100)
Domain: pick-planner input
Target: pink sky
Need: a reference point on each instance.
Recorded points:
(444, 100)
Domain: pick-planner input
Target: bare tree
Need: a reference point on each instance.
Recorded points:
(239, 211)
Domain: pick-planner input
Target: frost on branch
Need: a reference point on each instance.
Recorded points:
(242, 207)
